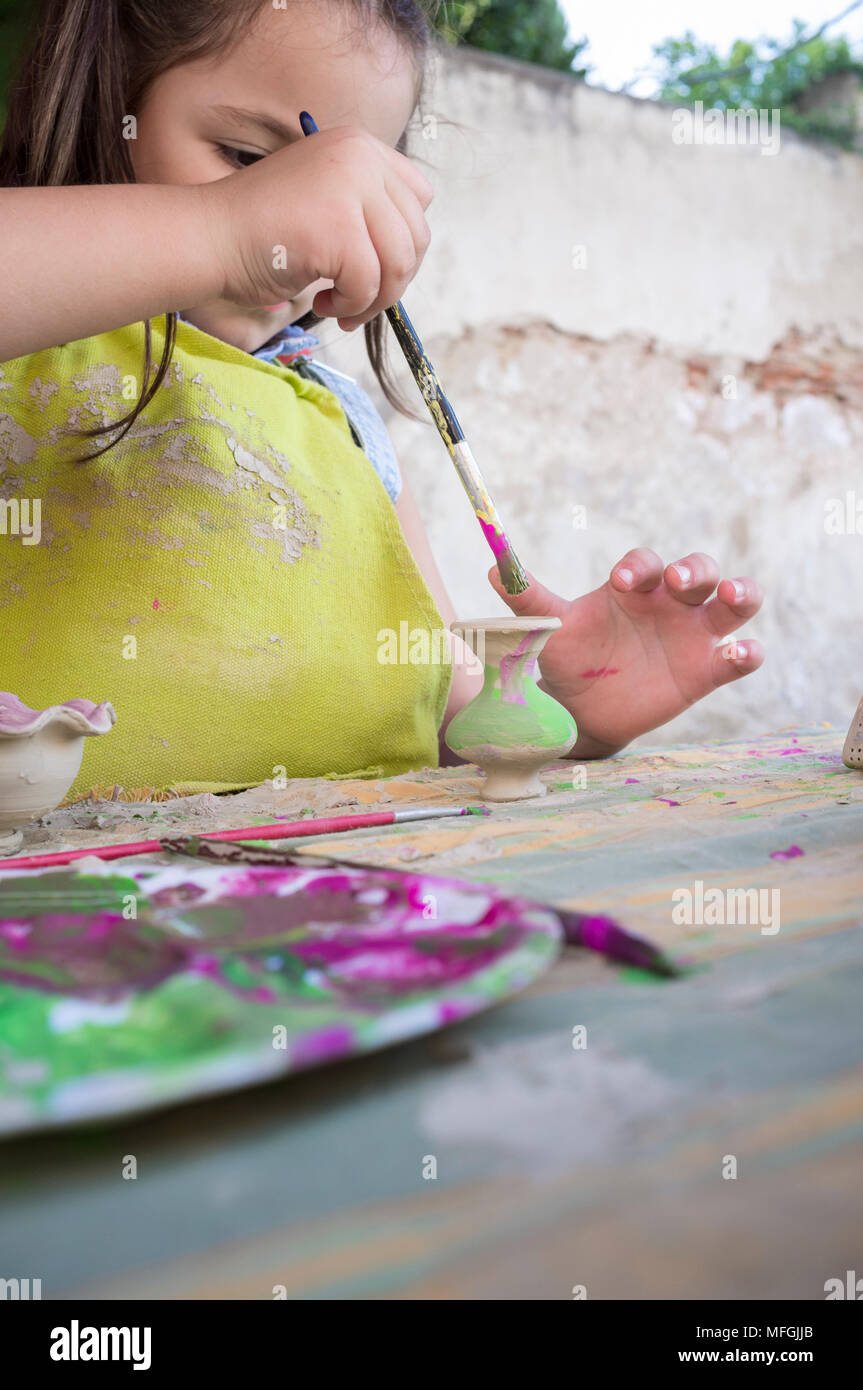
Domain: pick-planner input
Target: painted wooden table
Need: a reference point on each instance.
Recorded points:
(501, 1159)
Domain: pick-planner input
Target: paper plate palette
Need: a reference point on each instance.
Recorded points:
(127, 988)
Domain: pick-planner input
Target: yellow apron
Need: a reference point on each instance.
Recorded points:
(226, 575)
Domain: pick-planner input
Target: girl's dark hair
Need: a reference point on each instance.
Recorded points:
(88, 65)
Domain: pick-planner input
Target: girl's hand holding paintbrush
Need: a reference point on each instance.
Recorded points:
(345, 213)
(450, 431)
(346, 208)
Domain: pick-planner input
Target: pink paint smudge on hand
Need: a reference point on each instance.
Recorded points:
(601, 671)
(631, 779)
(793, 852)
(667, 801)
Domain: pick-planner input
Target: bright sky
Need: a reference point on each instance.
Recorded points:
(622, 32)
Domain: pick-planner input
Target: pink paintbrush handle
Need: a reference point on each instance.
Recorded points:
(65, 856)
(282, 830)
(327, 825)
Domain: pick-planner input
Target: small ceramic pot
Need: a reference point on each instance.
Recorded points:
(852, 753)
(40, 754)
(512, 728)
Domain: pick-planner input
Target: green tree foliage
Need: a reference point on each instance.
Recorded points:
(764, 74)
(533, 30)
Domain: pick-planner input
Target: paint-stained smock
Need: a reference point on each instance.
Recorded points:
(295, 347)
(222, 575)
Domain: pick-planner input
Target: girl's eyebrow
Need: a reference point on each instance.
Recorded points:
(258, 118)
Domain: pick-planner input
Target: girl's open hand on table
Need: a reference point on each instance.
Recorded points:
(644, 646)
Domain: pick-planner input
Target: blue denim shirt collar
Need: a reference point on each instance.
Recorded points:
(289, 343)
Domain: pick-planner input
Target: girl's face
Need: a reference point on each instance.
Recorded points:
(205, 119)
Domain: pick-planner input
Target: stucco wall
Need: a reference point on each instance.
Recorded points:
(669, 336)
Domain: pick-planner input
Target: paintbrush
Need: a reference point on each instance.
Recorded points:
(509, 567)
(281, 830)
(596, 933)
(593, 932)
(606, 936)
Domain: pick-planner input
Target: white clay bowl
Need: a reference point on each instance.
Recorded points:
(40, 754)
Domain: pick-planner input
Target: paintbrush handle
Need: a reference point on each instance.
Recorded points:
(280, 830)
(283, 830)
(425, 377)
(603, 934)
(511, 571)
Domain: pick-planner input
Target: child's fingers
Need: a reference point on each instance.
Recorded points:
(410, 174)
(638, 572)
(692, 579)
(736, 601)
(735, 659)
(393, 239)
(536, 602)
(409, 241)
(413, 213)
(357, 282)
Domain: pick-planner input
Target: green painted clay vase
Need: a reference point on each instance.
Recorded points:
(512, 728)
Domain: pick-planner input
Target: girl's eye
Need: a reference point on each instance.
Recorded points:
(238, 159)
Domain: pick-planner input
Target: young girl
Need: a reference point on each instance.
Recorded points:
(223, 532)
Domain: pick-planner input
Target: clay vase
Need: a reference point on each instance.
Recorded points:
(852, 753)
(40, 754)
(512, 728)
